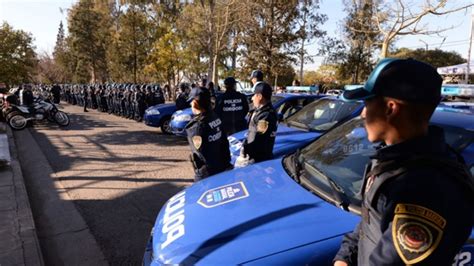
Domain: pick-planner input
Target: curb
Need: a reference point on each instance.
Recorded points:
(64, 235)
(19, 226)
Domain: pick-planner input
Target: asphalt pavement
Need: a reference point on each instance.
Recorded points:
(118, 173)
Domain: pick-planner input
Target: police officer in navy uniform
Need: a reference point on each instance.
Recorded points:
(232, 108)
(417, 195)
(262, 125)
(209, 144)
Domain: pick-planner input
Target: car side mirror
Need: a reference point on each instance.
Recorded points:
(280, 117)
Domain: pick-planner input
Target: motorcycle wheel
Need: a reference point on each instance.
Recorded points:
(50, 116)
(62, 119)
(17, 121)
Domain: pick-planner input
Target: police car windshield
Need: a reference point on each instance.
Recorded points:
(343, 152)
(323, 114)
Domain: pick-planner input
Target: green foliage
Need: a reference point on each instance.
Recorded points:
(436, 57)
(269, 36)
(89, 32)
(17, 56)
(167, 59)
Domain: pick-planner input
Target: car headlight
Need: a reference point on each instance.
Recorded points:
(153, 112)
(182, 118)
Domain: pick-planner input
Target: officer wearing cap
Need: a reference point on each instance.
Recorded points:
(232, 108)
(181, 99)
(262, 125)
(209, 144)
(417, 202)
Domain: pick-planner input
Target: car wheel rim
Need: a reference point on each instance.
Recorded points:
(166, 126)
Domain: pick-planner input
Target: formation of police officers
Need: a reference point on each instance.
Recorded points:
(213, 121)
(126, 100)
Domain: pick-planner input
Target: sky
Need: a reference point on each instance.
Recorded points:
(41, 18)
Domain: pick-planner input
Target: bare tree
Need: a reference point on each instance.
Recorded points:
(404, 17)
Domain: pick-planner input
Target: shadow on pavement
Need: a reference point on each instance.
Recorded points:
(124, 197)
(125, 226)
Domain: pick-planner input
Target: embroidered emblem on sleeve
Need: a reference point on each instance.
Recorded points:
(416, 232)
(197, 141)
(262, 126)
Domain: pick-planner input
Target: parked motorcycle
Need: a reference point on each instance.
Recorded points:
(18, 116)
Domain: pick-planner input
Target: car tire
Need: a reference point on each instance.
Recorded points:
(165, 125)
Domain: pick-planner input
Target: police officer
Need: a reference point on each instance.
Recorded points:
(417, 200)
(232, 108)
(56, 91)
(209, 144)
(181, 99)
(262, 125)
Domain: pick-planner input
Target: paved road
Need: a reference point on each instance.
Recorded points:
(118, 173)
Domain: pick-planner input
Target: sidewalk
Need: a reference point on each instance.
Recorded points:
(18, 240)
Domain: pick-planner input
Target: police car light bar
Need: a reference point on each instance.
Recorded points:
(462, 90)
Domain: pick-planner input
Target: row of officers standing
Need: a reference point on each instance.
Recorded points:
(207, 132)
(129, 101)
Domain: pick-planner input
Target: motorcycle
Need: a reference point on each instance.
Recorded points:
(18, 116)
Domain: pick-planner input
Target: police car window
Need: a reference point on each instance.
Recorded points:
(342, 155)
(322, 114)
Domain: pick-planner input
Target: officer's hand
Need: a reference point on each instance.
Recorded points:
(243, 160)
(340, 263)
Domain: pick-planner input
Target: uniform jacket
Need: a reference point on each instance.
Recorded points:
(261, 133)
(417, 206)
(209, 145)
(232, 109)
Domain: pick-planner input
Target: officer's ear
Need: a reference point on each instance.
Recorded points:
(392, 108)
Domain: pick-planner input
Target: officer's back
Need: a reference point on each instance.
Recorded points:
(232, 108)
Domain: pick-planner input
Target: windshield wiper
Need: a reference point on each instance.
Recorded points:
(293, 165)
(298, 124)
(338, 193)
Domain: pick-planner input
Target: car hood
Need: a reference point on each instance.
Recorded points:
(162, 106)
(287, 140)
(242, 215)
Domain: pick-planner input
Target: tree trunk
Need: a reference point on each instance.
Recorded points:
(215, 61)
(384, 50)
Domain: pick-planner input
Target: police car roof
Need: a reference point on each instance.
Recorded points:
(291, 95)
(463, 118)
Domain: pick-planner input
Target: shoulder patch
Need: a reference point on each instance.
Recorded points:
(416, 232)
(197, 141)
(262, 126)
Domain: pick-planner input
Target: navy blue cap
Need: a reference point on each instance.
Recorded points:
(264, 89)
(230, 81)
(257, 74)
(404, 79)
(200, 94)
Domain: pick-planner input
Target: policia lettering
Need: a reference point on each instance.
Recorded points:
(416, 232)
(173, 219)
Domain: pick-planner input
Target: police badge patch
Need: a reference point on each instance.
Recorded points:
(197, 141)
(262, 126)
(416, 232)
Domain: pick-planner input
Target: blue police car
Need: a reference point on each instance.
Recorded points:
(267, 214)
(160, 116)
(304, 126)
(285, 103)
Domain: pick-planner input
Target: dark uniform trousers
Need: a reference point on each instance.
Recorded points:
(232, 109)
(417, 206)
(261, 134)
(209, 145)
